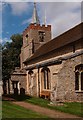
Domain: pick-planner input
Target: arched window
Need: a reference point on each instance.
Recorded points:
(46, 78)
(79, 77)
(30, 72)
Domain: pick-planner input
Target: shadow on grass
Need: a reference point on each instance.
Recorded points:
(13, 97)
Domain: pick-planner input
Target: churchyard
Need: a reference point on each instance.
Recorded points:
(10, 110)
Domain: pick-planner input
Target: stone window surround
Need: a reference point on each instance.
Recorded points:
(41, 36)
(31, 75)
(45, 74)
(79, 80)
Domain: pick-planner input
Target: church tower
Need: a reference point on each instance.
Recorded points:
(34, 36)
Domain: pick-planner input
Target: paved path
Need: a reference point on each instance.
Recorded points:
(46, 111)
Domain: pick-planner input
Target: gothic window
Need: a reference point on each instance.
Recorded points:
(45, 78)
(30, 72)
(82, 80)
(79, 77)
(41, 36)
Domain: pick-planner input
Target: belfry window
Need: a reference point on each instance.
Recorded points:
(41, 36)
(45, 78)
(79, 77)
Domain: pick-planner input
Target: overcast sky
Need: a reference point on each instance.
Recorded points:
(16, 16)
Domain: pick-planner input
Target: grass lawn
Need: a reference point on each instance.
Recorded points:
(72, 108)
(10, 110)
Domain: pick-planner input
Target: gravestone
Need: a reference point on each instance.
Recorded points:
(22, 91)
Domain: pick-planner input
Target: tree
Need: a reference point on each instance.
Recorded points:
(11, 56)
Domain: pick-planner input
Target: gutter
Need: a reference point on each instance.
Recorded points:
(54, 62)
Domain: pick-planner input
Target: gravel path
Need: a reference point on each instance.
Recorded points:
(46, 111)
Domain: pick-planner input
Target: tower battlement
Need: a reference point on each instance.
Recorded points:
(37, 27)
(34, 36)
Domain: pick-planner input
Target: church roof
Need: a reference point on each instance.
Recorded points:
(66, 38)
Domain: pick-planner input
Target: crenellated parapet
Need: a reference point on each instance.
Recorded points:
(32, 26)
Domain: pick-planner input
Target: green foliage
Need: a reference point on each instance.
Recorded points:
(0, 47)
(75, 108)
(10, 56)
(71, 107)
(11, 110)
(38, 101)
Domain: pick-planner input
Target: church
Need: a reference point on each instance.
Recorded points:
(50, 68)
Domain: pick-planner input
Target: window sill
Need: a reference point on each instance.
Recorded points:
(46, 90)
(77, 91)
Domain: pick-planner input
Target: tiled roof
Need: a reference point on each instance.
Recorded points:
(66, 38)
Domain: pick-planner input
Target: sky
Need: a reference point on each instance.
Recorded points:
(16, 16)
